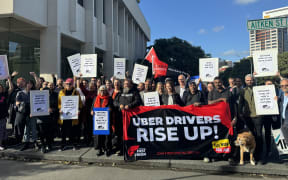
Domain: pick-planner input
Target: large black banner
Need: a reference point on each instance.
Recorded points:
(177, 132)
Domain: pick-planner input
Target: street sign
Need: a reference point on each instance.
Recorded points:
(271, 23)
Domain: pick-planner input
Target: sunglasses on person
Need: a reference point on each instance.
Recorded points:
(285, 85)
(69, 84)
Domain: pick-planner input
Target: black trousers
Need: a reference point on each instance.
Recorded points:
(46, 133)
(67, 130)
(255, 125)
(103, 142)
(267, 126)
(19, 125)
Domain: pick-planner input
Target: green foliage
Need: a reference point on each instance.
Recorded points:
(179, 54)
(283, 64)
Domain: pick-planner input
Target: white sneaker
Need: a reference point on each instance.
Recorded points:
(1, 148)
(206, 160)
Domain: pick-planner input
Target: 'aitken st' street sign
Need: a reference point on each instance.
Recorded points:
(272, 23)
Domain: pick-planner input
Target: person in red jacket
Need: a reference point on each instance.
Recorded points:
(102, 142)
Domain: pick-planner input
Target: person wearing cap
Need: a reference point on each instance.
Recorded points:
(103, 142)
(68, 127)
(193, 96)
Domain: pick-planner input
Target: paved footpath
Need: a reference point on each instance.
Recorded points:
(88, 155)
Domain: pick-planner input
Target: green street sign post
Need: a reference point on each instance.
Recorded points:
(271, 23)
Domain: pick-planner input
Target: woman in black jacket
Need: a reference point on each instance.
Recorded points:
(171, 97)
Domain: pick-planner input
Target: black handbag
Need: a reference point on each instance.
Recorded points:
(276, 122)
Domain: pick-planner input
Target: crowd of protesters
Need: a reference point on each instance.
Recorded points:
(40, 132)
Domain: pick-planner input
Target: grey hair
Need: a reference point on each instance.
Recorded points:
(284, 79)
(102, 87)
(249, 75)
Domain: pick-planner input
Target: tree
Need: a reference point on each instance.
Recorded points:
(179, 54)
(241, 68)
(283, 64)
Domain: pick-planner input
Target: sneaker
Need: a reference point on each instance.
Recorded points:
(36, 146)
(43, 150)
(1, 148)
(48, 148)
(206, 160)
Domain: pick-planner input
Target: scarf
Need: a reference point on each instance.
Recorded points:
(98, 101)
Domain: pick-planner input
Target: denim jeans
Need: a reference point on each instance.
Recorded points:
(30, 131)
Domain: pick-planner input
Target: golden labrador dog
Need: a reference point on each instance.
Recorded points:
(247, 143)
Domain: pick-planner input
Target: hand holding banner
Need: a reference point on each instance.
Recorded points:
(4, 70)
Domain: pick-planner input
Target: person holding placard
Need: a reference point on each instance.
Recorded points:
(171, 97)
(46, 123)
(247, 112)
(4, 111)
(102, 142)
(69, 127)
(147, 88)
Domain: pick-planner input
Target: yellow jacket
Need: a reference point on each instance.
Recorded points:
(74, 93)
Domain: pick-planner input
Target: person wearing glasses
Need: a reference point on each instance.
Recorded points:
(68, 127)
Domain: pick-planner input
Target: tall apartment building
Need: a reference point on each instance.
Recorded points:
(38, 35)
(270, 38)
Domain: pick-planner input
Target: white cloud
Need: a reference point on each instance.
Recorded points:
(233, 52)
(245, 2)
(218, 28)
(202, 31)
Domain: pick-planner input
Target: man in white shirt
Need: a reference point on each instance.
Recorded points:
(182, 86)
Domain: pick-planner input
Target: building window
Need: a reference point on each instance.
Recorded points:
(104, 10)
(80, 2)
(95, 8)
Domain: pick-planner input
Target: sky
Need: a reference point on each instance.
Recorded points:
(218, 26)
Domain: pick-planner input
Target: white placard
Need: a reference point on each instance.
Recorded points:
(69, 107)
(280, 142)
(265, 102)
(208, 69)
(101, 120)
(75, 64)
(4, 70)
(39, 103)
(139, 73)
(89, 65)
(265, 62)
(119, 68)
(151, 99)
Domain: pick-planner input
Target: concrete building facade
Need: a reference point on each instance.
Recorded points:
(270, 38)
(39, 34)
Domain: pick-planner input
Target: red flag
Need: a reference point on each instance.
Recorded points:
(151, 55)
(159, 67)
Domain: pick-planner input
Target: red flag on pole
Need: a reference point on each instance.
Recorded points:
(159, 68)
